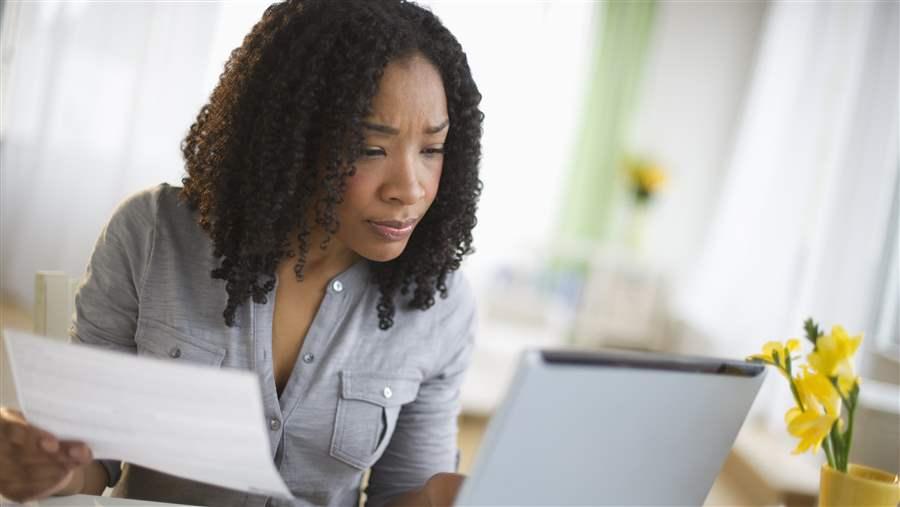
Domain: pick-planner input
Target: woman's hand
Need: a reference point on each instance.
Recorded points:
(439, 491)
(35, 464)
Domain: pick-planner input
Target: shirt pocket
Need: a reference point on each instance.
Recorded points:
(155, 339)
(367, 411)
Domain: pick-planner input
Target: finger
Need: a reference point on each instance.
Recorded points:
(16, 461)
(60, 457)
(40, 473)
(17, 433)
(35, 454)
(48, 443)
(20, 433)
(46, 438)
(42, 441)
(38, 442)
(72, 456)
(78, 452)
(12, 414)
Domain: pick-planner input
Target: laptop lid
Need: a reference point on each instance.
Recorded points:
(603, 428)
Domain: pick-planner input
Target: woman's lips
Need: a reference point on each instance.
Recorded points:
(393, 230)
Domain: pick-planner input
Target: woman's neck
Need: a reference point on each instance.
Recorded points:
(321, 265)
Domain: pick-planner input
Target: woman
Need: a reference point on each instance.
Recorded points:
(330, 197)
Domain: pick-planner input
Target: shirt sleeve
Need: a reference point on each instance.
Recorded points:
(107, 301)
(425, 439)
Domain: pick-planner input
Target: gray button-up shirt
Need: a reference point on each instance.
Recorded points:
(358, 397)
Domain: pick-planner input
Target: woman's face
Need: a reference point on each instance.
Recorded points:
(397, 178)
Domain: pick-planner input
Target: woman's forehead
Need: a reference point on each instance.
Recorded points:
(410, 88)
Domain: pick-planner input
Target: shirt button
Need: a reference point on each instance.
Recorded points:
(387, 392)
(337, 286)
(274, 424)
(175, 352)
(308, 358)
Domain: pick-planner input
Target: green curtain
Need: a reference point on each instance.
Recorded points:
(595, 183)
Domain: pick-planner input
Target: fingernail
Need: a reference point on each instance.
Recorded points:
(49, 445)
(75, 452)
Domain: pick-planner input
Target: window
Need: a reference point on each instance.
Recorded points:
(887, 318)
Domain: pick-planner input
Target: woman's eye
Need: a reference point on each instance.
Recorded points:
(371, 152)
(433, 152)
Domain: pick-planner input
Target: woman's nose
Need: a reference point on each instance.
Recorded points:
(402, 185)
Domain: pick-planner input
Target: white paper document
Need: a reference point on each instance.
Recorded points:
(195, 422)
(91, 501)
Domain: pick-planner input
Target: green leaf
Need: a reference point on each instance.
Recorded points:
(812, 331)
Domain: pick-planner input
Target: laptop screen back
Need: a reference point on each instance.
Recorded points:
(581, 428)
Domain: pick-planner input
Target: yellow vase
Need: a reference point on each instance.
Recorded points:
(861, 485)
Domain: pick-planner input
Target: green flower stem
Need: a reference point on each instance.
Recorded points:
(794, 390)
(797, 397)
(837, 448)
(829, 453)
(842, 447)
(848, 436)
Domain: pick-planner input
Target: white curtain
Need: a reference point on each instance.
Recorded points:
(802, 221)
(96, 98)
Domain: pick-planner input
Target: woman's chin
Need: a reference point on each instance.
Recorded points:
(383, 253)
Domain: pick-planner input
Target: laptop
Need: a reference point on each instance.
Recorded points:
(611, 428)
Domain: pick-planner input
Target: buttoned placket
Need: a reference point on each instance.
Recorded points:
(261, 324)
(322, 328)
(320, 331)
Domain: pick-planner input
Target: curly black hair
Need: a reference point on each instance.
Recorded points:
(283, 128)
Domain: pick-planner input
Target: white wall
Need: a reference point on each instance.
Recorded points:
(700, 58)
(530, 61)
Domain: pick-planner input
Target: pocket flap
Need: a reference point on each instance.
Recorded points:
(380, 389)
(166, 341)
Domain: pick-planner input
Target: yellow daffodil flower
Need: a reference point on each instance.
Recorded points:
(810, 426)
(646, 177)
(817, 392)
(822, 389)
(781, 350)
(833, 357)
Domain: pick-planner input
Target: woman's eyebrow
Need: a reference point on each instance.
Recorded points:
(438, 128)
(385, 129)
